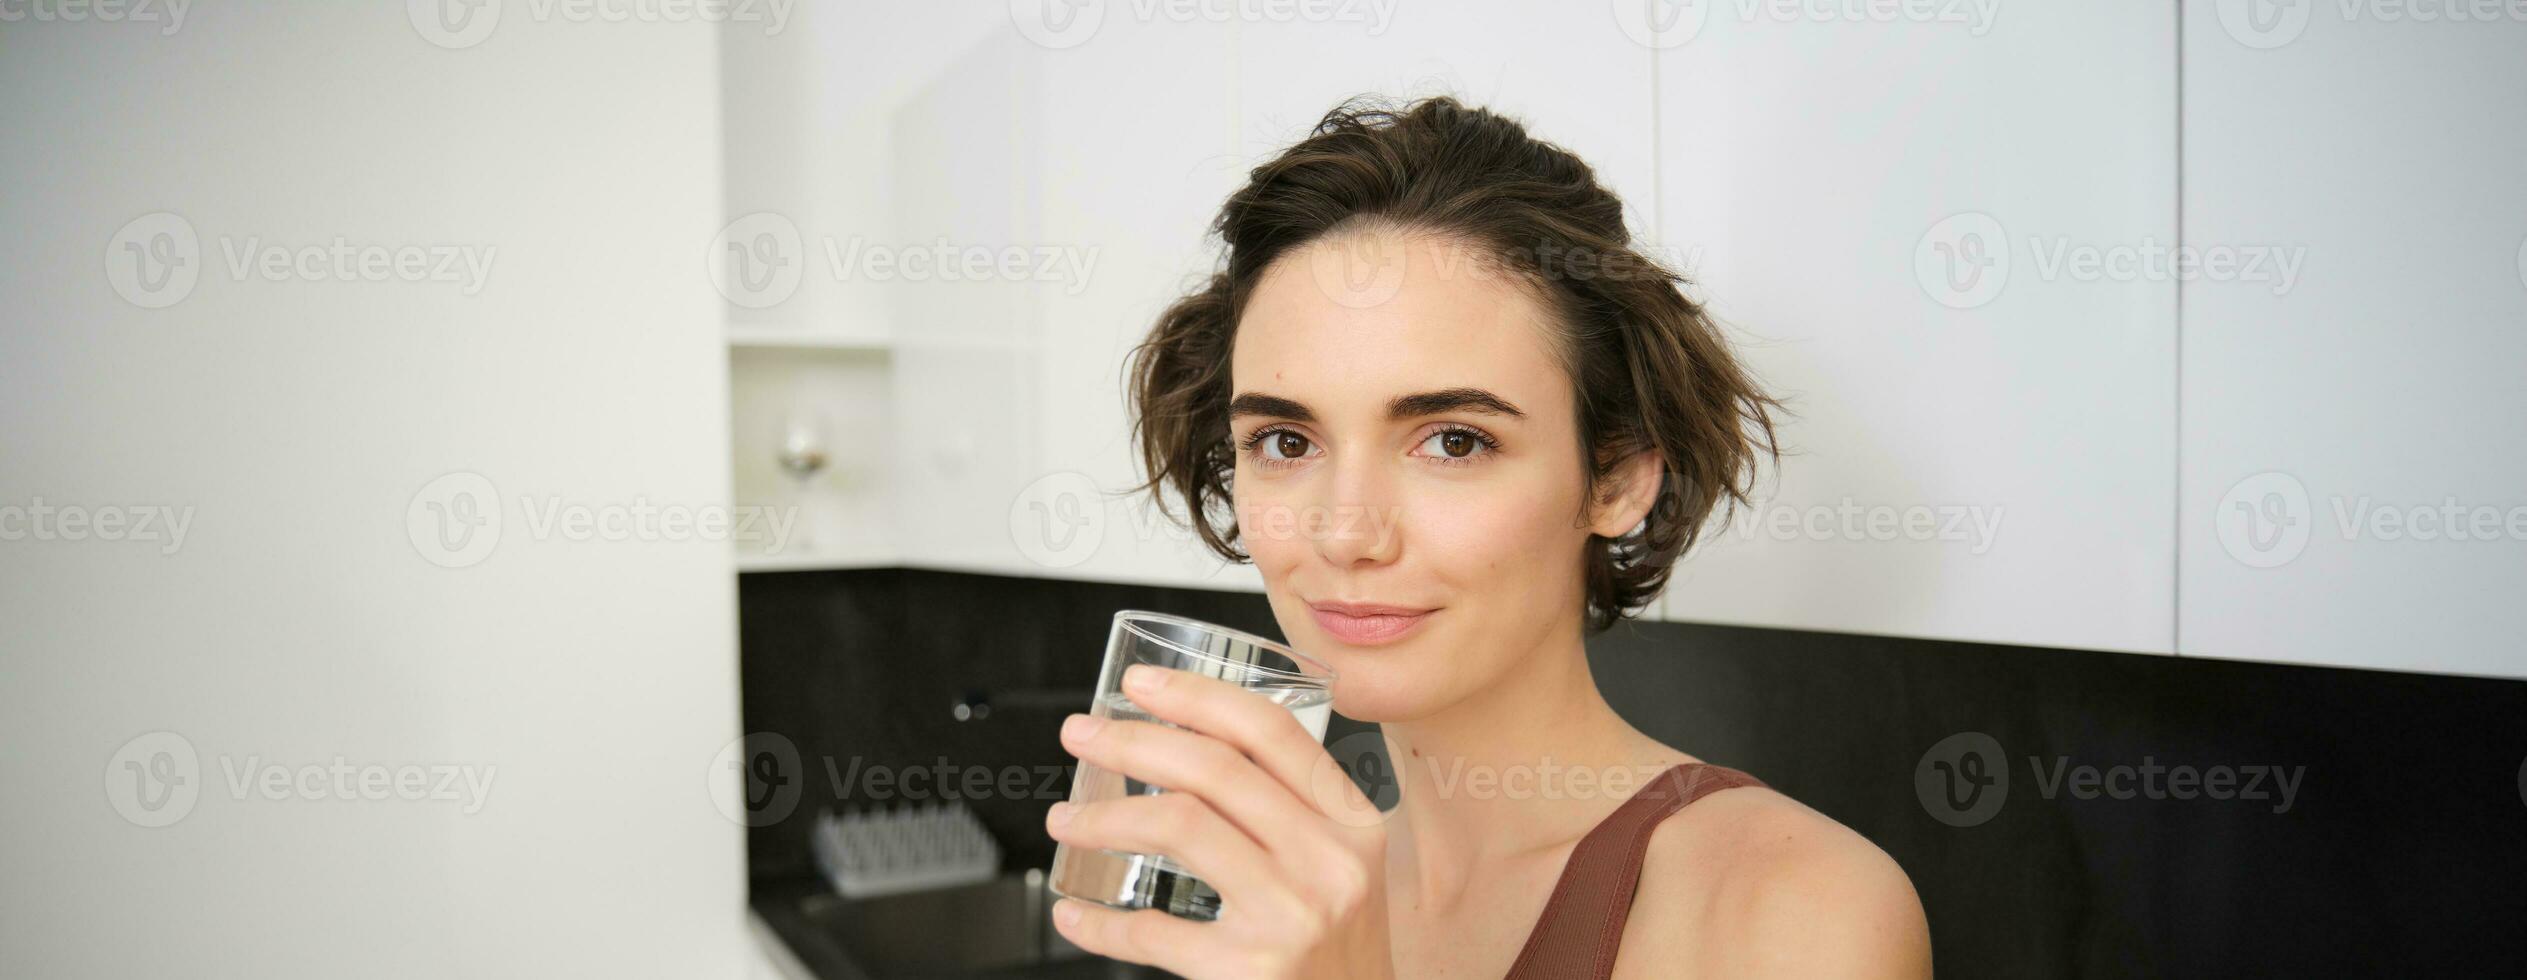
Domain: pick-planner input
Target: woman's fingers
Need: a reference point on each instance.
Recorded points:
(1266, 732)
(1182, 827)
(1191, 762)
(1145, 936)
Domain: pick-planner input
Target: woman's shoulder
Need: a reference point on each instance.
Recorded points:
(1748, 880)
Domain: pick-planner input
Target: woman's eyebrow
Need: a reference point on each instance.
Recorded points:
(1449, 400)
(1398, 408)
(1269, 406)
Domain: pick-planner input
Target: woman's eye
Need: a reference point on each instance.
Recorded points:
(1454, 444)
(1282, 445)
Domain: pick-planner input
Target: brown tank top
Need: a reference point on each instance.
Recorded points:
(1582, 923)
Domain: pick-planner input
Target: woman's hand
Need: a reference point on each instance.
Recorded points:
(1257, 810)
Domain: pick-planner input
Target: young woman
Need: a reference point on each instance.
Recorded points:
(1458, 423)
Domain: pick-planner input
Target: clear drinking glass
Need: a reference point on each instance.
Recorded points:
(1284, 676)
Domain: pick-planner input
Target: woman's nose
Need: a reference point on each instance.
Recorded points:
(1358, 521)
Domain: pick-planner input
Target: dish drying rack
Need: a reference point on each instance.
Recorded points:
(894, 850)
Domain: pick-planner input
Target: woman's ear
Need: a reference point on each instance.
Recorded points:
(1625, 496)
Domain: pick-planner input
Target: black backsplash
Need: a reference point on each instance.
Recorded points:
(2403, 850)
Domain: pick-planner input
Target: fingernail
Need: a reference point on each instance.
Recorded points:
(1144, 678)
(1080, 727)
(1066, 913)
(1058, 817)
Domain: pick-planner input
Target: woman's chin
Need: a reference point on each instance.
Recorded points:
(1379, 692)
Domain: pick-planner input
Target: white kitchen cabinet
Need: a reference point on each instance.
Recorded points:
(1146, 154)
(1015, 450)
(1566, 71)
(2354, 490)
(914, 147)
(1897, 221)
(807, 348)
(967, 150)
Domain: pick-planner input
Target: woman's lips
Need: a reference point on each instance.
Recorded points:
(1367, 628)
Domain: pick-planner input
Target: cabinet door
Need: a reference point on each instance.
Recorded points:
(967, 151)
(1567, 74)
(1932, 238)
(1144, 159)
(1017, 451)
(2353, 485)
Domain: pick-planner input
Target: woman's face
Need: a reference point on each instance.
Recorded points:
(1406, 439)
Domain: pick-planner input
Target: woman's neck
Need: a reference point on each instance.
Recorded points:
(1520, 768)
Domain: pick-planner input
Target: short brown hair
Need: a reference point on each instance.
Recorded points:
(1649, 368)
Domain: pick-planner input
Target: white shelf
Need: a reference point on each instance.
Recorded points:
(808, 338)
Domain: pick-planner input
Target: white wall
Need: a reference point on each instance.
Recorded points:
(2350, 412)
(1814, 171)
(300, 621)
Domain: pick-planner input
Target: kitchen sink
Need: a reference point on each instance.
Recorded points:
(993, 930)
